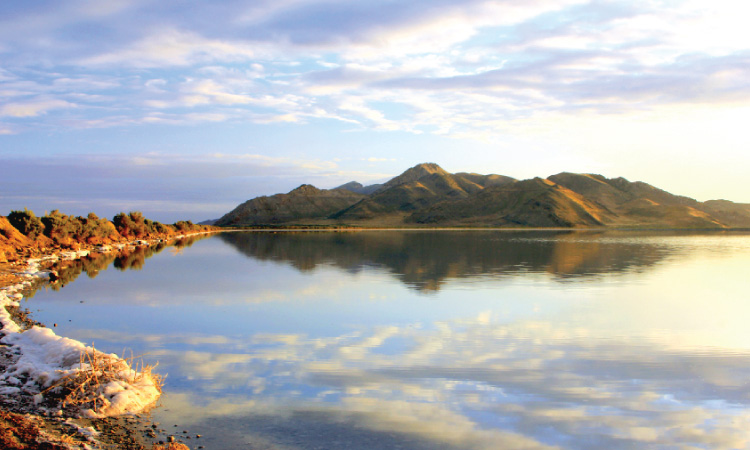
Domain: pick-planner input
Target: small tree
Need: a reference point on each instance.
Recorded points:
(139, 228)
(26, 222)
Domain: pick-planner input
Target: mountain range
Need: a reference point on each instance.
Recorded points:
(428, 196)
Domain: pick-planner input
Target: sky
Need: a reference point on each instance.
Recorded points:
(183, 109)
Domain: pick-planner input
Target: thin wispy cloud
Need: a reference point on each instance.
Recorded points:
(32, 108)
(170, 48)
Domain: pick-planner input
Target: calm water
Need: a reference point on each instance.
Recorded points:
(435, 340)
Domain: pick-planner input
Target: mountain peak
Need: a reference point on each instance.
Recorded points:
(414, 174)
(305, 189)
(424, 169)
(429, 166)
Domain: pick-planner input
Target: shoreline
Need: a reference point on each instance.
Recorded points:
(333, 229)
(33, 358)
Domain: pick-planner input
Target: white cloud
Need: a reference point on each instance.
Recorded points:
(430, 28)
(7, 129)
(716, 27)
(32, 108)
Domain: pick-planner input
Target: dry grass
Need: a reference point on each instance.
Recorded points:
(84, 386)
(66, 439)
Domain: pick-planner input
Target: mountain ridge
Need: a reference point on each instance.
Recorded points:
(426, 195)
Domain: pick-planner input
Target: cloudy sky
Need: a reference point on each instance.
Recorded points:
(184, 109)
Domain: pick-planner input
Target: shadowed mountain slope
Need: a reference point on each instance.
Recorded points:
(638, 203)
(729, 213)
(427, 195)
(613, 193)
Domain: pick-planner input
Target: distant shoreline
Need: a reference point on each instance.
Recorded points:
(514, 229)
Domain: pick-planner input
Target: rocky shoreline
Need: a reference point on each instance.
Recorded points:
(33, 360)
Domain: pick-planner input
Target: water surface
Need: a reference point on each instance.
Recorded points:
(435, 340)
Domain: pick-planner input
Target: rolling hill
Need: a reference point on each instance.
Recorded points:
(428, 196)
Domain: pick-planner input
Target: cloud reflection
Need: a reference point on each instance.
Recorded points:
(479, 384)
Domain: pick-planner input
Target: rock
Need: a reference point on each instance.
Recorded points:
(171, 446)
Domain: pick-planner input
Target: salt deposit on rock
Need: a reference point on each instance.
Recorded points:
(74, 255)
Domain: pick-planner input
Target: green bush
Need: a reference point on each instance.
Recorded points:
(93, 229)
(26, 222)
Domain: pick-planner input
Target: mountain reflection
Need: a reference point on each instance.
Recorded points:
(424, 260)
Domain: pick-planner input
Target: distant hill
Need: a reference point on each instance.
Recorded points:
(302, 204)
(427, 196)
(359, 188)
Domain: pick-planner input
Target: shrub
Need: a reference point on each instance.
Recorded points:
(60, 227)
(131, 225)
(26, 222)
(184, 225)
(95, 230)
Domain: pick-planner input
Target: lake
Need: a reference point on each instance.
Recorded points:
(433, 339)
